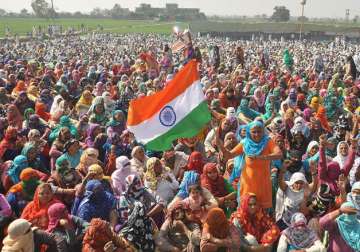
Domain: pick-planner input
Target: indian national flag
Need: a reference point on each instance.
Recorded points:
(178, 111)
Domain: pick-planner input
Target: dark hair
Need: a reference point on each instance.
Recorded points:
(195, 187)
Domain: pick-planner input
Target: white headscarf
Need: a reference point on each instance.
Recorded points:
(340, 158)
(20, 237)
(123, 169)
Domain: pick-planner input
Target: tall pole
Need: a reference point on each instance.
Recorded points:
(302, 18)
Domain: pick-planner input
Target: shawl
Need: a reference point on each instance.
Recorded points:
(190, 178)
(20, 237)
(34, 210)
(19, 164)
(215, 219)
(83, 101)
(252, 148)
(8, 143)
(355, 199)
(150, 175)
(88, 157)
(20, 86)
(114, 122)
(123, 169)
(259, 225)
(288, 60)
(195, 162)
(56, 212)
(40, 109)
(14, 117)
(96, 236)
(321, 116)
(349, 227)
(246, 111)
(90, 134)
(299, 235)
(217, 186)
(259, 97)
(300, 125)
(340, 158)
(64, 122)
(139, 229)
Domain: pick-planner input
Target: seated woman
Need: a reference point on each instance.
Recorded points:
(160, 180)
(219, 187)
(100, 238)
(139, 160)
(22, 193)
(192, 178)
(72, 152)
(88, 158)
(92, 132)
(5, 215)
(69, 228)
(258, 227)
(343, 229)
(9, 145)
(95, 203)
(117, 123)
(36, 210)
(97, 112)
(354, 197)
(178, 232)
(11, 171)
(218, 234)
(64, 122)
(139, 229)
(97, 172)
(57, 148)
(22, 237)
(33, 157)
(135, 191)
(299, 237)
(195, 162)
(84, 103)
(63, 181)
(123, 169)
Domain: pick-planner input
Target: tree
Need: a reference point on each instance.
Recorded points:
(281, 14)
(41, 8)
(24, 13)
(116, 11)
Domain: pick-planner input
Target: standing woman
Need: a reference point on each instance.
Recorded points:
(259, 151)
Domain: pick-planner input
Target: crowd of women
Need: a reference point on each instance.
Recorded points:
(276, 169)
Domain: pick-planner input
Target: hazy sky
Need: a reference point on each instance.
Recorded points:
(314, 8)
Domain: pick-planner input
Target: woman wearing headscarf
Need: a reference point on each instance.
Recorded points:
(92, 132)
(321, 116)
(58, 146)
(10, 146)
(63, 181)
(97, 172)
(108, 102)
(21, 193)
(255, 223)
(36, 210)
(20, 86)
(57, 108)
(22, 237)
(40, 110)
(23, 102)
(354, 197)
(88, 158)
(100, 238)
(4, 97)
(178, 232)
(33, 157)
(259, 98)
(299, 237)
(11, 174)
(259, 151)
(70, 228)
(245, 113)
(219, 187)
(117, 123)
(72, 152)
(33, 92)
(97, 112)
(95, 203)
(343, 228)
(300, 125)
(314, 104)
(64, 122)
(215, 239)
(46, 98)
(14, 117)
(343, 155)
(195, 162)
(123, 169)
(160, 180)
(139, 229)
(138, 160)
(84, 103)
(135, 191)
(329, 173)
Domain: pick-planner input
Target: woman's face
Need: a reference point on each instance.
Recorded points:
(140, 154)
(118, 116)
(313, 150)
(87, 96)
(158, 168)
(252, 206)
(194, 194)
(231, 138)
(45, 194)
(74, 148)
(256, 133)
(298, 185)
(212, 174)
(66, 135)
(99, 108)
(243, 132)
(179, 214)
(344, 149)
(225, 125)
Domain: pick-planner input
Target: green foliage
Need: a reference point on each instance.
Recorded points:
(281, 14)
